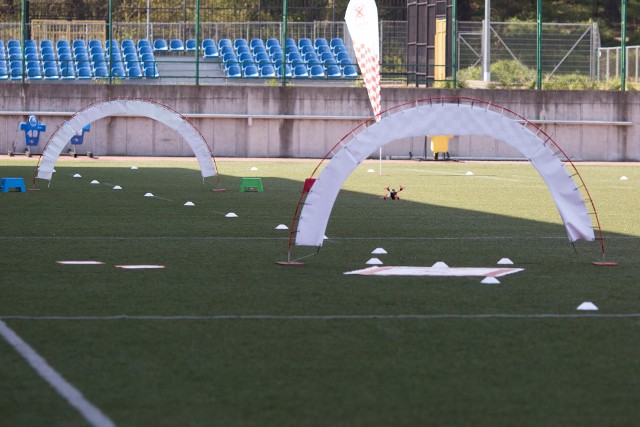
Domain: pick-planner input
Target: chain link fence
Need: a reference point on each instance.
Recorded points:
(610, 63)
(566, 48)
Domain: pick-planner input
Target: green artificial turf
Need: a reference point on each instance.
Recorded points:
(280, 368)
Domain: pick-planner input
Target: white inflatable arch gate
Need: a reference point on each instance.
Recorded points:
(447, 116)
(125, 107)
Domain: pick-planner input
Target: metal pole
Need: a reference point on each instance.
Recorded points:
(486, 49)
(23, 36)
(539, 46)
(283, 38)
(147, 19)
(454, 42)
(623, 36)
(197, 42)
(110, 40)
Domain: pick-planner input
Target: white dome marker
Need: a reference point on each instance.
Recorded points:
(282, 227)
(469, 173)
(440, 265)
(587, 306)
(490, 280)
(134, 168)
(77, 175)
(380, 251)
(624, 178)
(149, 195)
(189, 204)
(374, 261)
(95, 181)
(505, 261)
(231, 215)
(117, 187)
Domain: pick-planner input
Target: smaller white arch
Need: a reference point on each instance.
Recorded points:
(125, 107)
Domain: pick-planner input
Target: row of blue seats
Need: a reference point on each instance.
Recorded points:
(71, 61)
(303, 59)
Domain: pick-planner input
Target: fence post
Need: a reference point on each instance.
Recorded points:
(623, 71)
(454, 42)
(197, 42)
(283, 36)
(539, 46)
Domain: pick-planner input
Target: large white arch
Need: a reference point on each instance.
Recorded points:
(125, 107)
(445, 118)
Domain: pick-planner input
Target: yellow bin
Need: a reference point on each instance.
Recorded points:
(440, 144)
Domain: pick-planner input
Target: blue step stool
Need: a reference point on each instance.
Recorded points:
(8, 183)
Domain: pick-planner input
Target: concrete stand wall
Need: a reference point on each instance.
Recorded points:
(306, 121)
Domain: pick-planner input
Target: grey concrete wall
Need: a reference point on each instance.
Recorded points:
(248, 121)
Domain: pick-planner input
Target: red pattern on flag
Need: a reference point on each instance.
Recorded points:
(370, 68)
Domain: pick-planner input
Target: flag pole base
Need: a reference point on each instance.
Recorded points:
(291, 263)
(605, 264)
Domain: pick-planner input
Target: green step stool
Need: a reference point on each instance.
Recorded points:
(8, 183)
(251, 184)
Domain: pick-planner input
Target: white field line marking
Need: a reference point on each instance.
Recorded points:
(75, 398)
(428, 172)
(330, 317)
(487, 238)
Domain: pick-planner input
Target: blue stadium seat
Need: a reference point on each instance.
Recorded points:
(320, 41)
(4, 72)
(151, 72)
(14, 43)
(128, 43)
(350, 71)
(245, 56)
(338, 49)
(262, 56)
(287, 72)
(145, 50)
(267, 71)
(176, 45)
(290, 42)
(333, 72)
(316, 71)
(259, 49)
(300, 71)
(135, 73)
(336, 42)
(160, 45)
(275, 49)
(307, 49)
(144, 43)
(329, 62)
(234, 71)
(95, 44)
(63, 43)
(304, 42)
(211, 51)
(31, 50)
(324, 48)
(67, 71)
(278, 56)
(311, 56)
(51, 73)
(343, 55)
(251, 71)
(118, 72)
(208, 42)
(84, 73)
(224, 42)
(256, 43)
(16, 71)
(272, 42)
(46, 43)
(294, 56)
(243, 49)
(101, 73)
(240, 42)
(190, 45)
(297, 62)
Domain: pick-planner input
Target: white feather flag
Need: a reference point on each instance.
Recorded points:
(362, 22)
